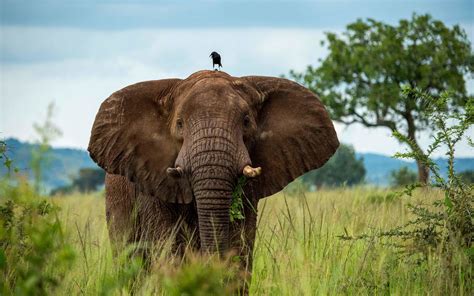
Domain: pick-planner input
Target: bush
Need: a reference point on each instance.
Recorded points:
(34, 254)
(33, 251)
(88, 179)
(402, 177)
(467, 177)
(344, 168)
(445, 228)
(378, 198)
(198, 277)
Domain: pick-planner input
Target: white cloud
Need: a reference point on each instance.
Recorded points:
(79, 68)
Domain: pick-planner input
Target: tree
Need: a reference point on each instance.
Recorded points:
(467, 176)
(89, 179)
(402, 177)
(362, 78)
(342, 168)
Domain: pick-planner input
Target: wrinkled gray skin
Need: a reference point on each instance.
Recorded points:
(174, 150)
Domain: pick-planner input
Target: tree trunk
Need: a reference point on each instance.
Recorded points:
(423, 173)
(423, 170)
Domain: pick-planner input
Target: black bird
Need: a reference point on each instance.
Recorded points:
(216, 59)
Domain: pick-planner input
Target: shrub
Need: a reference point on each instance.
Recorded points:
(198, 277)
(33, 250)
(378, 198)
(34, 253)
(467, 176)
(402, 177)
(445, 228)
(342, 169)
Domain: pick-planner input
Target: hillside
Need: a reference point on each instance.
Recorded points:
(65, 163)
(379, 166)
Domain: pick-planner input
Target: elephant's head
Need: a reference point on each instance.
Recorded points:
(184, 140)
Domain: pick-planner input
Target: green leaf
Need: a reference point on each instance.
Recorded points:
(447, 201)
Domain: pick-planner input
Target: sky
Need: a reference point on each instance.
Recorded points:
(76, 53)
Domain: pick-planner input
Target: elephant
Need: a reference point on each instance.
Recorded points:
(174, 150)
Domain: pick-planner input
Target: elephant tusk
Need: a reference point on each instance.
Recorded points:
(251, 172)
(175, 172)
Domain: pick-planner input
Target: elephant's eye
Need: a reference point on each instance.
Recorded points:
(179, 124)
(246, 121)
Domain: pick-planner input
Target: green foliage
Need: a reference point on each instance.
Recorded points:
(296, 188)
(237, 205)
(34, 252)
(446, 226)
(342, 169)
(402, 177)
(88, 179)
(7, 162)
(199, 277)
(361, 79)
(127, 270)
(40, 157)
(379, 198)
(467, 177)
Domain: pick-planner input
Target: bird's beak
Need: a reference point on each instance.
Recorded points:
(210, 55)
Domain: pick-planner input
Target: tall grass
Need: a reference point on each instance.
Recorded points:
(298, 252)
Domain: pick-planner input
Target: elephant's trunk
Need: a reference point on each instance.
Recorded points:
(213, 176)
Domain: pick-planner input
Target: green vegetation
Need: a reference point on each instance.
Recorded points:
(451, 226)
(402, 177)
(297, 252)
(34, 251)
(6, 161)
(342, 169)
(467, 177)
(88, 180)
(40, 157)
(445, 227)
(62, 247)
(361, 79)
(62, 166)
(237, 205)
(346, 240)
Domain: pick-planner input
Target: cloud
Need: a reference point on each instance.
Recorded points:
(79, 68)
(119, 15)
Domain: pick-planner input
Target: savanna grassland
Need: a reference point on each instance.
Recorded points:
(298, 251)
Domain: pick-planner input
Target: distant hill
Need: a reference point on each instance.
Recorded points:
(66, 163)
(379, 166)
(63, 165)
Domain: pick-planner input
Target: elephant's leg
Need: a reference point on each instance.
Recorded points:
(166, 225)
(119, 206)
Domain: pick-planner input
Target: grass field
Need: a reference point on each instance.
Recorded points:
(297, 252)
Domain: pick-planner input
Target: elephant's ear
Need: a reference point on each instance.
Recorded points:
(295, 134)
(131, 137)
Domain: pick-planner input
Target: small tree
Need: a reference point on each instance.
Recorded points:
(402, 177)
(89, 179)
(47, 132)
(361, 79)
(7, 162)
(443, 230)
(342, 168)
(467, 176)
